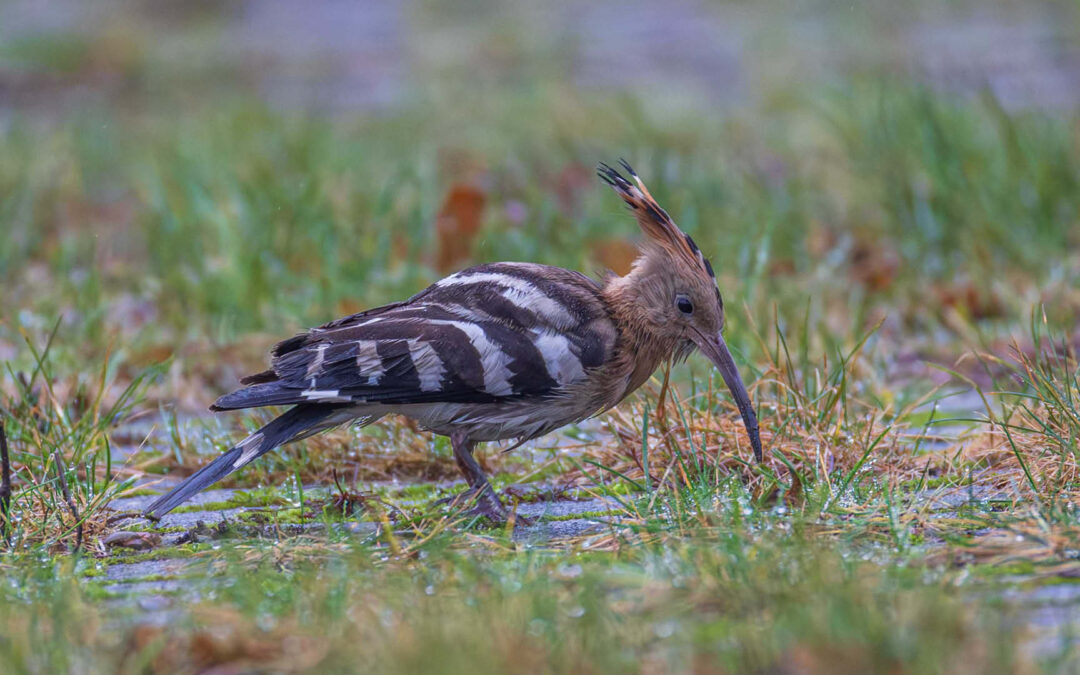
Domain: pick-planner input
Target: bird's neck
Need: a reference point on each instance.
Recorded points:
(645, 342)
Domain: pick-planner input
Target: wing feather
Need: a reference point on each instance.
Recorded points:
(493, 332)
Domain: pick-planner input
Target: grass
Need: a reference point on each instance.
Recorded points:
(1046, 410)
(727, 589)
(239, 220)
(153, 247)
(817, 560)
(59, 434)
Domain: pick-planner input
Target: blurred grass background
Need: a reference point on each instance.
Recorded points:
(175, 176)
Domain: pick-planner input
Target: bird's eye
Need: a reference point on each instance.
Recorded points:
(684, 304)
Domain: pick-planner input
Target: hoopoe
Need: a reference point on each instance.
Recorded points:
(494, 352)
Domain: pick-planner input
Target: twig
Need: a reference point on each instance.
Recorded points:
(122, 516)
(70, 502)
(661, 400)
(5, 484)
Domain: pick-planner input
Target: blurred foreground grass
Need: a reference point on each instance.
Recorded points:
(729, 589)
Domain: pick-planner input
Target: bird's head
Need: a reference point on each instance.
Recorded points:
(674, 290)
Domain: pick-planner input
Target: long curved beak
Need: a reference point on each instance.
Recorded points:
(714, 347)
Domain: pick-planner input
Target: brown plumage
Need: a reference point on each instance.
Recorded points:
(498, 351)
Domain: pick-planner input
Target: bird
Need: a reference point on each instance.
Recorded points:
(499, 351)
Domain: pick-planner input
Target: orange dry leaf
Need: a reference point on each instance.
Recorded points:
(820, 239)
(138, 541)
(399, 245)
(972, 301)
(782, 267)
(457, 225)
(151, 355)
(874, 264)
(614, 254)
(349, 306)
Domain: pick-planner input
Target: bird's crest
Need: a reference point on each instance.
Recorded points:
(654, 220)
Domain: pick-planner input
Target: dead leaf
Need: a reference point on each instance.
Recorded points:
(151, 355)
(457, 225)
(820, 239)
(782, 267)
(874, 264)
(796, 496)
(349, 306)
(616, 255)
(138, 541)
(970, 300)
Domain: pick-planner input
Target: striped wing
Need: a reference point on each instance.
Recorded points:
(489, 333)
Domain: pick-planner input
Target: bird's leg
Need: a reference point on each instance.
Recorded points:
(487, 502)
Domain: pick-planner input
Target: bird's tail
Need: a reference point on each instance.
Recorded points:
(297, 423)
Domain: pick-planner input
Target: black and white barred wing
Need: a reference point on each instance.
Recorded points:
(490, 333)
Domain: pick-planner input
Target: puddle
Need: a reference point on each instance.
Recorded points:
(563, 508)
(1052, 616)
(206, 497)
(147, 587)
(955, 497)
(1059, 595)
(170, 567)
(547, 530)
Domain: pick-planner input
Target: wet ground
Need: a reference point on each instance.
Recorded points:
(151, 590)
(219, 515)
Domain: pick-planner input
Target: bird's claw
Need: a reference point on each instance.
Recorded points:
(534, 492)
(486, 504)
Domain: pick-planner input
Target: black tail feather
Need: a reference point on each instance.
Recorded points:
(257, 396)
(289, 426)
(260, 378)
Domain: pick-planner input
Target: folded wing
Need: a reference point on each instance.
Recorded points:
(489, 333)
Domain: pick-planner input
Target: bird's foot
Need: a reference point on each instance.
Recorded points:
(459, 499)
(485, 503)
(534, 492)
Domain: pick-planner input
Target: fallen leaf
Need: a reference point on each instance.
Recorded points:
(970, 300)
(457, 225)
(820, 239)
(874, 264)
(782, 267)
(616, 255)
(139, 541)
(796, 496)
